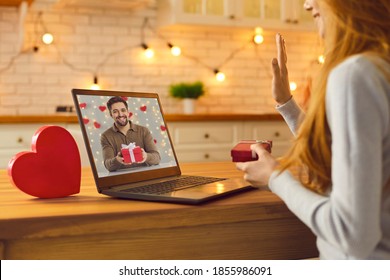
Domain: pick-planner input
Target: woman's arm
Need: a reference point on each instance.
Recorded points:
(286, 105)
(349, 219)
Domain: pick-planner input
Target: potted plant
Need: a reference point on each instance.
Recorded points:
(188, 92)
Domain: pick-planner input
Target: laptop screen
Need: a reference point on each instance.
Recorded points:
(144, 153)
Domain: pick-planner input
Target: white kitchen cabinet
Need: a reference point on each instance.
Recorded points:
(213, 141)
(204, 141)
(17, 138)
(292, 12)
(273, 14)
(75, 130)
(192, 12)
(277, 131)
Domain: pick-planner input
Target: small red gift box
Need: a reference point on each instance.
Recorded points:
(242, 151)
(131, 153)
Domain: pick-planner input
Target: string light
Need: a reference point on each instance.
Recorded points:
(175, 50)
(293, 86)
(95, 85)
(47, 38)
(258, 37)
(219, 75)
(148, 52)
(258, 30)
(321, 59)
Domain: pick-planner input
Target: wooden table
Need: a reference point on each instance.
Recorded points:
(251, 225)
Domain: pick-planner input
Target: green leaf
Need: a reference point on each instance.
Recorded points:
(187, 90)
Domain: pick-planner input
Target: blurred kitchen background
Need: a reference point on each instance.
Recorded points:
(102, 43)
(102, 39)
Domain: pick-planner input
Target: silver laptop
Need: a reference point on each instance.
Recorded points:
(155, 174)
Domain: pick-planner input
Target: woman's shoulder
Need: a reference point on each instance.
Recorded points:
(364, 64)
(363, 79)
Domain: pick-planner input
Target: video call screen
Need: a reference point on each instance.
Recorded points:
(142, 111)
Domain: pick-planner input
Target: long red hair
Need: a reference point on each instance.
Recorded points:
(351, 27)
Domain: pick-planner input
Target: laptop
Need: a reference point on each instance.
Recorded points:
(160, 180)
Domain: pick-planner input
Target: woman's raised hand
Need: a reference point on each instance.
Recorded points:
(280, 83)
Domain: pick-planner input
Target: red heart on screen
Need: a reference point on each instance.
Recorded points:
(124, 98)
(85, 120)
(163, 128)
(102, 108)
(83, 105)
(130, 114)
(143, 108)
(97, 125)
(52, 169)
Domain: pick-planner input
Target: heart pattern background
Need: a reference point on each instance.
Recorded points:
(96, 124)
(142, 111)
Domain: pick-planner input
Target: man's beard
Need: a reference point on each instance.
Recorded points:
(121, 121)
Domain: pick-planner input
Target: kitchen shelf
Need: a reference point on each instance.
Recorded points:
(104, 4)
(269, 14)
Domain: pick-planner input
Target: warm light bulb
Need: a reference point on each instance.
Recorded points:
(149, 53)
(259, 30)
(293, 86)
(95, 85)
(258, 39)
(321, 59)
(219, 76)
(47, 38)
(175, 51)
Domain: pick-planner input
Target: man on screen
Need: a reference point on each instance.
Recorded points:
(125, 132)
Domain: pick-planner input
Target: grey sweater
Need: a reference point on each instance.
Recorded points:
(353, 221)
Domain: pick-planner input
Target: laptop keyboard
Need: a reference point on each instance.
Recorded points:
(174, 185)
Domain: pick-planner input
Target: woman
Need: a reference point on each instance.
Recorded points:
(340, 186)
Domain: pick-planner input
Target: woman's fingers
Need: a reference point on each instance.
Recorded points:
(282, 54)
(275, 69)
(284, 50)
(281, 50)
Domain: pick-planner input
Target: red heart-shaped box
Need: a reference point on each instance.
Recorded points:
(52, 169)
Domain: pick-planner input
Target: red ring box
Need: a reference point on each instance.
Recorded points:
(242, 151)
